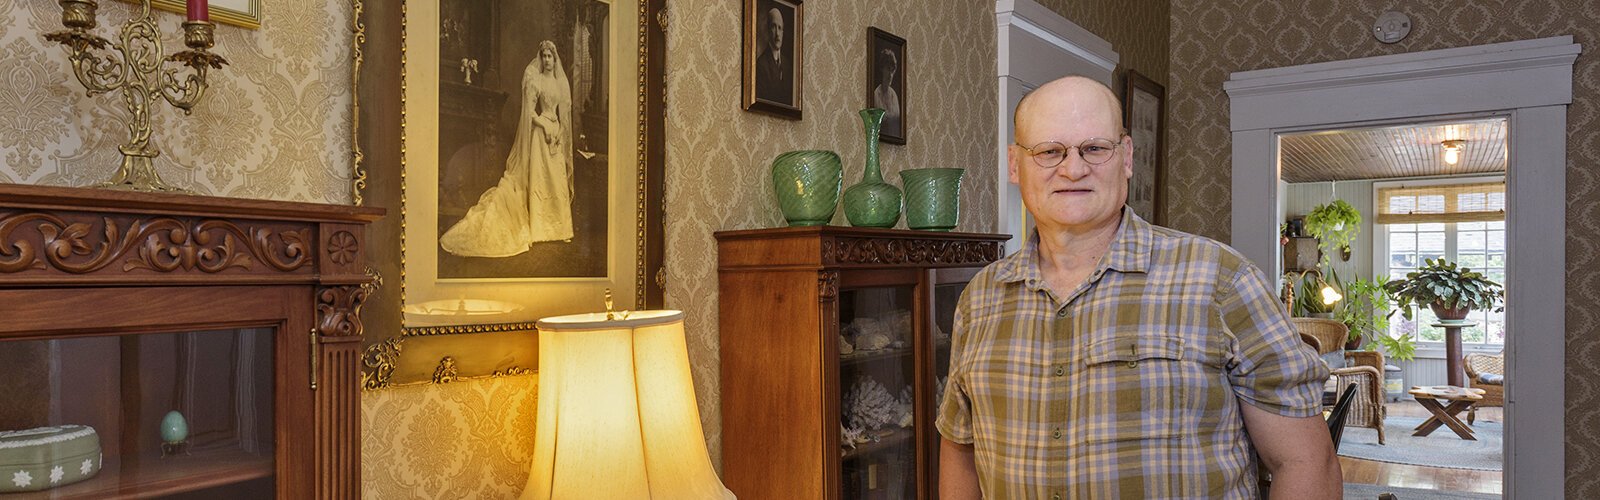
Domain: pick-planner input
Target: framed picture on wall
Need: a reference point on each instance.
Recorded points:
(774, 49)
(526, 171)
(242, 13)
(886, 82)
(1143, 113)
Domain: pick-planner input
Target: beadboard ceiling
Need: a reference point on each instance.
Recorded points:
(1391, 152)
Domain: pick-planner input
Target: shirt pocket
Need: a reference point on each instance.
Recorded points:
(1135, 389)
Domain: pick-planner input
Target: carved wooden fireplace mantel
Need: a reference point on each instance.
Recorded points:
(97, 264)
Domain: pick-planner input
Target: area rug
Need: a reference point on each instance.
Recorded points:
(1370, 492)
(1440, 449)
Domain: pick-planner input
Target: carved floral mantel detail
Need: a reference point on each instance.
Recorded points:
(84, 245)
(907, 251)
(339, 310)
(342, 247)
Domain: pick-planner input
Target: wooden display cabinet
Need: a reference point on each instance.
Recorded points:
(242, 315)
(803, 415)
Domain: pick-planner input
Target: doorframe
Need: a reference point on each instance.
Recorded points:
(1530, 81)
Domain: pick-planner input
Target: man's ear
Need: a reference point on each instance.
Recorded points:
(1127, 159)
(1012, 156)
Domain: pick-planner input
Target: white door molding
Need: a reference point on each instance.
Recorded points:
(1036, 45)
(1530, 82)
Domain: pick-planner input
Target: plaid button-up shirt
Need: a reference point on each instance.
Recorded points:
(1128, 386)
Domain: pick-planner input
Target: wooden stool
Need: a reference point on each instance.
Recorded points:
(1460, 399)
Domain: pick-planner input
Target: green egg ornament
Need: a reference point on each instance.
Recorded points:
(174, 429)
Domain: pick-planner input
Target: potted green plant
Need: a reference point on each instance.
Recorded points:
(1451, 291)
(1334, 225)
(1308, 301)
(1366, 309)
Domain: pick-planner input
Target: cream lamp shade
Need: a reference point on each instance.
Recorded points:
(617, 416)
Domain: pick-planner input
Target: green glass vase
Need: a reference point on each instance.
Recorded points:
(872, 202)
(933, 197)
(807, 184)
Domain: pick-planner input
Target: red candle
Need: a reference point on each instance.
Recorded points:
(198, 11)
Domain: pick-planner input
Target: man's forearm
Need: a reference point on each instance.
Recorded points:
(1308, 480)
(958, 472)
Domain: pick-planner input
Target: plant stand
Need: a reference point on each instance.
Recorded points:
(1452, 350)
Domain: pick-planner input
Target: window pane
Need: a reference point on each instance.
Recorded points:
(1474, 261)
(1430, 204)
(1431, 226)
(1496, 260)
(1469, 226)
(1470, 241)
(1499, 224)
(1402, 204)
(1402, 263)
(1496, 240)
(1472, 334)
(1402, 227)
(1496, 275)
(1402, 243)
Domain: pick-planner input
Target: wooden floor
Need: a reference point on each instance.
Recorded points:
(1412, 476)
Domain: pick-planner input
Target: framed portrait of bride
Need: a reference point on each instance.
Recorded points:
(532, 169)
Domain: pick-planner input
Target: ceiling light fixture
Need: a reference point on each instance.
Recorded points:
(1452, 151)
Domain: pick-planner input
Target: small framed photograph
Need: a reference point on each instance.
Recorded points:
(1144, 106)
(774, 49)
(886, 82)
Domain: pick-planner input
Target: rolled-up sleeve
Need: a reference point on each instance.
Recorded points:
(1271, 368)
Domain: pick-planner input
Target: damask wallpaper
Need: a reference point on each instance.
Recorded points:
(471, 439)
(1213, 38)
(718, 156)
(274, 124)
(1137, 30)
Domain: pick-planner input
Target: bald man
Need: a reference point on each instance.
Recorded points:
(774, 65)
(1110, 358)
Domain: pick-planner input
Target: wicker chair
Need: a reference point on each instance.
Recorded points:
(1366, 371)
(1493, 394)
(1330, 333)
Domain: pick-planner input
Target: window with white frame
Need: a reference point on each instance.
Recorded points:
(1461, 220)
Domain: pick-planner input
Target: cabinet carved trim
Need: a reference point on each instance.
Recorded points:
(339, 310)
(828, 285)
(842, 250)
(83, 243)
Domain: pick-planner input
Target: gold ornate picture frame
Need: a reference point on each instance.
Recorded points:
(242, 13)
(473, 341)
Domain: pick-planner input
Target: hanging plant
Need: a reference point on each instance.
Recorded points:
(1334, 225)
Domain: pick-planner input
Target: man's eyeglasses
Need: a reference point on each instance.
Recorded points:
(1094, 151)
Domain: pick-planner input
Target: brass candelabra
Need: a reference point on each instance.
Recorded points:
(142, 76)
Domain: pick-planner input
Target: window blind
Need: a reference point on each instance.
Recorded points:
(1476, 202)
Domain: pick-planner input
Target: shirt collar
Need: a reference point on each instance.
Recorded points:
(1129, 252)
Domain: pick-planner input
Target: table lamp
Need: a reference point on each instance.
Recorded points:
(617, 416)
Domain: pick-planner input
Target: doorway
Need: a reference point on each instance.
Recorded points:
(1530, 83)
(1414, 194)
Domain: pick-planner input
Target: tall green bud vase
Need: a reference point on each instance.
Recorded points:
(872, 202)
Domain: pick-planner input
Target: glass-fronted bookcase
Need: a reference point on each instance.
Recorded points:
(835, 344)
(172, 346)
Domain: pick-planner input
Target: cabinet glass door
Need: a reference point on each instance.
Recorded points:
(947, 287)
(877, 388)
(171, 415)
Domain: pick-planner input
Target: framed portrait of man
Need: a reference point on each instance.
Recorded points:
(1144, 107)
(886, 82)
(773, 57)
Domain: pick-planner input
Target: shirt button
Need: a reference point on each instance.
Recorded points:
(1056, 434)
(1055, 496)
(1062, 313)
(1060, 371)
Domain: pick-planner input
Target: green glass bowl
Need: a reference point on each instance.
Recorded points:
(807, 185)
(933, 197)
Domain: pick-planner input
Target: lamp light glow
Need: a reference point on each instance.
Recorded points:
(617, 415)
(1329, 295)
(1452, 151)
